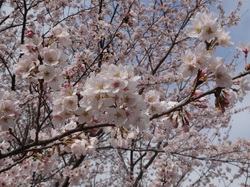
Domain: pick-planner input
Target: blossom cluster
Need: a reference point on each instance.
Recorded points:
(82, 145)
(167, 172)
(78, 176)
(65, 104)
(109, 96)
(120, 137)
(42, 59)
(22, 174)
(8, 110)
(112, 96)
(155, 106)
(207, 28)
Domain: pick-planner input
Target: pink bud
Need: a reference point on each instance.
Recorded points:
(175, 125)
(65, 85)
(202, 99)
(246, 52)
(198, 92)
(190, 116)
(185, 128)
(203, 73)
(29, 34)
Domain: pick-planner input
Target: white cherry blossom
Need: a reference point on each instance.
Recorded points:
(223, 77)
(245, 48)
(46, 72)
(50, 56)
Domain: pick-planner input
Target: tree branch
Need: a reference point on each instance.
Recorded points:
(25, 148)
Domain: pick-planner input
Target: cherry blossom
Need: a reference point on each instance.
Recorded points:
(46, 72)
(223, 77)
(120, 93)
(244, 48)
(61, 34)
(25, 67)
(78, 148)
(50, 56)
